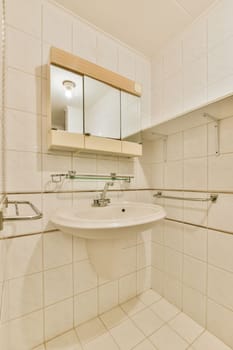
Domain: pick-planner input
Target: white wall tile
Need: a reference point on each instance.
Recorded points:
(58, 318)
(220, 247)
(24, 295)
(220, 213)
(195, 274)
(173, 175)
(79, 249)
(57, 249)
(195, 142)
(53, 32)
(143, 255)
(196, 212)
(25, 333)
(107, 53)
(108, 296)
(220, 88)
(157, 175)
(85, 306)
(195, 83)
(127, 63)
(58, 284)
(225, 138)
(173, 96)
(173, 58)
(19, 137)
(143, 279)
(84, 276)
(220, 61)
(28, 167)
(24, 256)
(220, 284)
(175, 147)
(127, 287)
(173, 235)
(195, 242)
(85, 41)
(195, 41)
(173, 290)
(173, 263)
(194, 305)
(219, 23)
(19, 43)
(220, 172)
(157, 280)
(195, 173)
(26, 17)
(19, 86)
(174, 208)
(157, 256)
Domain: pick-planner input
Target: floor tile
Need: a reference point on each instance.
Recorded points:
(127, 335)
(90, 330)
(166, 339)
(209, 341)
(149, 297)
(41, 347)
(165, 310)
(147, 321)
(186, 327)
(103, 342)
(68, 341)
(113, 317)
(145, 345)
(133, 306)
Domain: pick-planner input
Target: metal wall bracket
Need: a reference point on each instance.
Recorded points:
(217, 131)
(4, 203)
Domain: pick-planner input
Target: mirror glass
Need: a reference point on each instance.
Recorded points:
(102, 109)
(66, 100)
(130, 117)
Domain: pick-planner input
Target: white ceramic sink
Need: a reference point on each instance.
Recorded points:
(115, 221)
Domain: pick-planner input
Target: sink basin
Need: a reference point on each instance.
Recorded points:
(115, 221)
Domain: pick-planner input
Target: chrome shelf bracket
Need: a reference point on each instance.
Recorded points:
(217, 131)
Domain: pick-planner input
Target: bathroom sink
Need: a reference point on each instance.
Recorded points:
(115, 221)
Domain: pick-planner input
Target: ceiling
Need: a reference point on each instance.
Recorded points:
(142, 24)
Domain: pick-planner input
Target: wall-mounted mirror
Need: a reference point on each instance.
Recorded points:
(92, 108)
(66, 100)
(130, 117)
(102, 109)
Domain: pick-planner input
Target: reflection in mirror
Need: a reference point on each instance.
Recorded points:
(130, 117)
(66, 100)
(102, 109)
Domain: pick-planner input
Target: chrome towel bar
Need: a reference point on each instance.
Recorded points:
(4, 203)
(212, 198)
(38, 214)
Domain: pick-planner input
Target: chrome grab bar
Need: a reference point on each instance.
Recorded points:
(212, 198)
(38, 214)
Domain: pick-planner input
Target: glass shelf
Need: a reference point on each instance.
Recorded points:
(72, 175)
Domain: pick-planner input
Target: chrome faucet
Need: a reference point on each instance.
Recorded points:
(103, 201)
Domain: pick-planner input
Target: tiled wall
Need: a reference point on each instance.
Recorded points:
(196, 67)
(193, 266)
(47, 284)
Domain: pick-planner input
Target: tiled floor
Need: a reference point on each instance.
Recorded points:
(148, 322)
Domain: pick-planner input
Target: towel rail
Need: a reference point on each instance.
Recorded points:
(212, 198)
